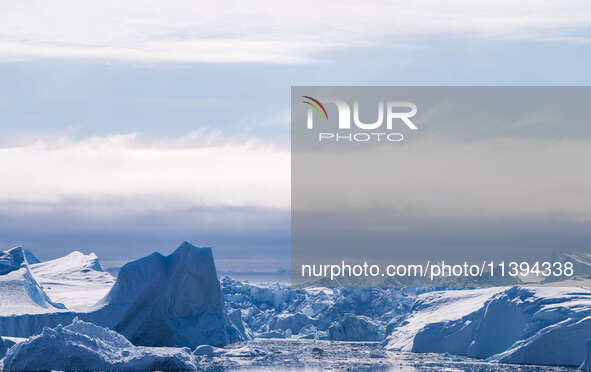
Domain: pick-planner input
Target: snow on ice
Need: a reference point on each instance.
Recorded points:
(355, 328)
(19, 291)
(347, 314)
(158, 300)
(14, 258)
(87, 347)
(76, 280)
(5, 344)
(543, 325)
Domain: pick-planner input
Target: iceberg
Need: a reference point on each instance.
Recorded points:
(172, 300)
(20, 293)
(159, 305)
(292, 322)
(438, 307)
(525, 325)
(14, 258)
(5, 344)
(158, 300)
(237, 331)
(76, 280)
(280, 311)
(88, 347)
(31, 258)
(208, 350)
(586, 365)
(355, 328)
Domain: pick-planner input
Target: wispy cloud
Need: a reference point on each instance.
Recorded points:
(265, 31)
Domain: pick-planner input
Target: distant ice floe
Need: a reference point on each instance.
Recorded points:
(344, 314)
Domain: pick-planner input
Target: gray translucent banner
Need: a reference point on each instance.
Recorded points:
(441, 186)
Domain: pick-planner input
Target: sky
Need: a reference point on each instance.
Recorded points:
(129, 127)
(491, 173)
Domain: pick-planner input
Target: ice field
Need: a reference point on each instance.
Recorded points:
(173, 313)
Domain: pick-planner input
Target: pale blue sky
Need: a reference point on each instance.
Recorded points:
(85, 97)
(77, 77)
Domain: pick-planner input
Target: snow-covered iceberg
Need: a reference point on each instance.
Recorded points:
(5, 344)
(543, 325)
(172, 300)
(76, 280)
(27, 304)
(14, 258)
(158, 300)
(83, 346)
(20, 293)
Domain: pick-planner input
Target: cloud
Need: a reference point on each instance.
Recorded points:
(126, 195)
(125, 173)
(443, 198)
(446, 179)
(265, 31)
(208, 51)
